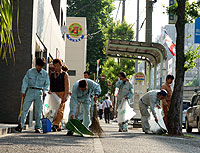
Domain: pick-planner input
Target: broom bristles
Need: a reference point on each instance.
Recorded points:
(95, 126)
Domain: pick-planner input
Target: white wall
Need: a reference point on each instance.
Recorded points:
(75, 56)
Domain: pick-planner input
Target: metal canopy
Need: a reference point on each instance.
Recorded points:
(152, 52)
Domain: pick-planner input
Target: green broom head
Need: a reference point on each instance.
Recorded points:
(95, 126)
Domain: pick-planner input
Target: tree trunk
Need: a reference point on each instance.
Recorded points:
(174, 122)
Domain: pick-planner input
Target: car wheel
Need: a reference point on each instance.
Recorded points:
(188, 128)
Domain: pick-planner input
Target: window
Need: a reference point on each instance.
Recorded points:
(61, 17)
(72, 72)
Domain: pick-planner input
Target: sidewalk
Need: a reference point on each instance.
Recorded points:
(112, 141)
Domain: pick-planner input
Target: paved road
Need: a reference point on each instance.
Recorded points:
(111, 142)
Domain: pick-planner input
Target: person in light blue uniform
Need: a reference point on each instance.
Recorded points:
(125, 91)
(86, 75)
(35, 85)
(150, 99)
(81, 92)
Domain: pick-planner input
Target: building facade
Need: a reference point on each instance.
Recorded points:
(40, 23)
(76, 44)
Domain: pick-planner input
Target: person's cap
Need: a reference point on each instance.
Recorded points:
(163, 92)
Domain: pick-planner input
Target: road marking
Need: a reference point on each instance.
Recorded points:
(98, 148)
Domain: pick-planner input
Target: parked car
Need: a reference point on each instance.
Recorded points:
(186, 105)
(193, 113)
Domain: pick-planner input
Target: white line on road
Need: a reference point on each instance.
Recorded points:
(98, 146)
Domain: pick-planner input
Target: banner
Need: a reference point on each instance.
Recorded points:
(170, 44)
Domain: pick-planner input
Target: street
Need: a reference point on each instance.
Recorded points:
(111, 142)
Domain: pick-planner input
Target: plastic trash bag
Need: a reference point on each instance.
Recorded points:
(154, 127)
(66, 111)
(125, 112)
(51, 105)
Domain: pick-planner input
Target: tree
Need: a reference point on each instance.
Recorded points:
(97, 13)
(111, 68)
(121, 31)
(7, 45)
(184, 12)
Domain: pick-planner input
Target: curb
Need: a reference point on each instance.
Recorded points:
(8, 130)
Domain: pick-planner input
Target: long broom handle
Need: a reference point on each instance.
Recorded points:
(22, 100)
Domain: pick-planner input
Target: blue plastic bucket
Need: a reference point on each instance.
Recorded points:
(46, 125)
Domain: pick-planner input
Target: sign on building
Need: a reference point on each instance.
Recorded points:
(197, 31)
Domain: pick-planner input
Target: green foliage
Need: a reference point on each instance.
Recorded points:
(190, 56)
(97, 13)
(122, 31)
(193, 83)
(191, 10)
(7, 45)
(111, 69)
(7, 41)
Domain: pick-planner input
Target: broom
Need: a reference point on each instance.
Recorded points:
(95, 126)
(20, 114)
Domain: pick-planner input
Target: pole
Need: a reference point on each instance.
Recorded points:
(137, 33)
(123, 10)
(149, 9)
(97, 70)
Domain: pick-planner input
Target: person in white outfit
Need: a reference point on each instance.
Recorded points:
(107, 104)
(150, 99)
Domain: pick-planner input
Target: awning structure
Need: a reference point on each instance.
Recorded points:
(153, 53)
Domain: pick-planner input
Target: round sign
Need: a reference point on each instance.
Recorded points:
(139, 77)
(103, 77)
(75, 30)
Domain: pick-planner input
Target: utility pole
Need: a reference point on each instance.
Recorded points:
(148, 36)
(149, 10)
(123, 10)
(137, 33)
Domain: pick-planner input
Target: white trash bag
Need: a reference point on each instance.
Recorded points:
(51, 105)
(66, 111)
(154, 127)
(125, 112)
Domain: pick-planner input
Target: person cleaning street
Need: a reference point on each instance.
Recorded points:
(81, 92)
(34, 88)
(87, 76)
(150, 99)
(79, 112)
(59, 83)
(125, 92)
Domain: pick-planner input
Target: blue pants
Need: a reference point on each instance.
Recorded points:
(36, 96)
(86, 114)
(80, 113)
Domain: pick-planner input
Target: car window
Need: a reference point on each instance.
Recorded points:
(186, 105)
